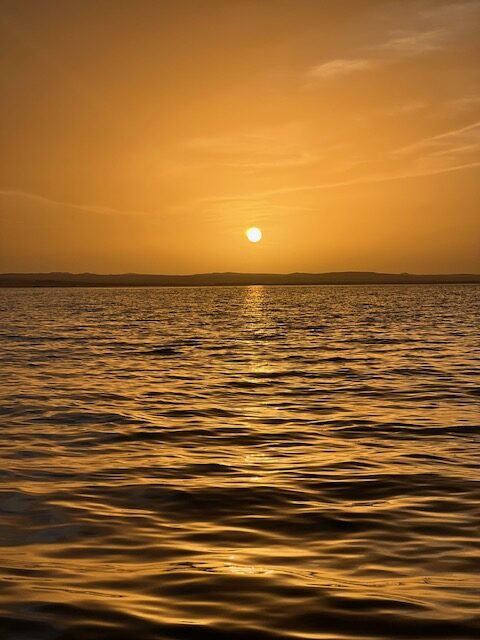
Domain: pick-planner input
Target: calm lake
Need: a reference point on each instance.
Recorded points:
(244, 463)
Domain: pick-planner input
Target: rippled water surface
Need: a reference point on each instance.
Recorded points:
(253, 463)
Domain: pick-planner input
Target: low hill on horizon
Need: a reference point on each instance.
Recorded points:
(65, 279)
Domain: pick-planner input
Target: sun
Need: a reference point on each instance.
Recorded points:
(254, 234)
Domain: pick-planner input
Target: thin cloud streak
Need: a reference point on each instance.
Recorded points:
(345, 183)
(340, 67)
(262, 149)
(415, 43)
(432, 140)
(450, 20)
(71, 205)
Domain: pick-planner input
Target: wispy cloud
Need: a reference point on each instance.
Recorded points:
(282, 146)
(90, 208)
(407, 108)
(405, 44)
(452, 12)
(340, 67)
(450, 151)
(447, 139)
(435, 30)
(464, 103)
(398, 46)
(444, 151)
(378, 178)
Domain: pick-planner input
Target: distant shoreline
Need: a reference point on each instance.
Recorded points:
(57, 279)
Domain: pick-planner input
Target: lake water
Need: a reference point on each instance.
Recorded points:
(244, 463)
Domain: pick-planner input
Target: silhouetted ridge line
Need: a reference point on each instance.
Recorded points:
(64, 279)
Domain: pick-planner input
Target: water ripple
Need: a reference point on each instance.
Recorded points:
(241, 463)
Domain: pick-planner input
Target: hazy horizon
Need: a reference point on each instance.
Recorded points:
(148, 136)
(196, 273)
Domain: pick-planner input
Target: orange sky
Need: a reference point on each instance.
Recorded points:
(147, 135)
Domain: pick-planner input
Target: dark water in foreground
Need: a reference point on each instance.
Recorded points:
(240, 463)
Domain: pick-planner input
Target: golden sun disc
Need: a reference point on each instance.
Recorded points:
(254, 234)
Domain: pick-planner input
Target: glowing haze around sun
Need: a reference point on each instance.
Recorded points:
(254, 234)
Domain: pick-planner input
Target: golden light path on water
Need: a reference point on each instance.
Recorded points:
(241, 462)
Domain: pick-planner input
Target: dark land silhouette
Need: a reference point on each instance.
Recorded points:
(63, 279)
